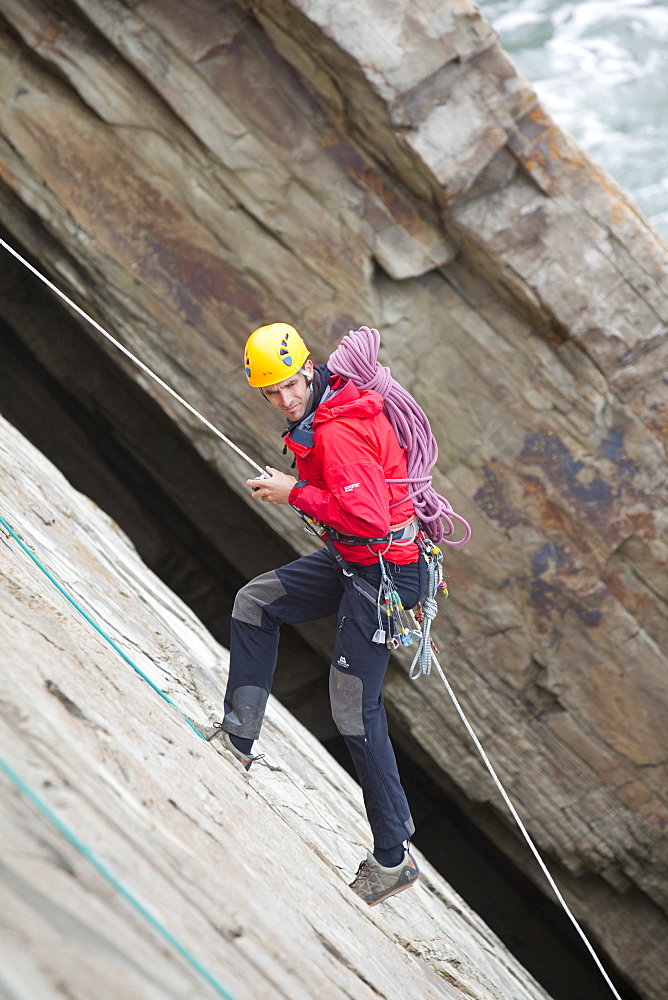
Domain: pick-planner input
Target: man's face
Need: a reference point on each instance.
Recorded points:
(291, 396)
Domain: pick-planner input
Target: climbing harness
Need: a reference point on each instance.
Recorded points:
(393, 624)
(395, 627)
(400, 533)
(431, 510)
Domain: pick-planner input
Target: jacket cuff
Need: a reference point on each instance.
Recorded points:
(294, 492)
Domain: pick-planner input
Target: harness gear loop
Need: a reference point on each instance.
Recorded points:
(403, 533)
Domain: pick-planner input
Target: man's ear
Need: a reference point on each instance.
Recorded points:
(308, 368)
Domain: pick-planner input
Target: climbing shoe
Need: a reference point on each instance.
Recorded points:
(245, 759)
(373, 883)
(216, 732)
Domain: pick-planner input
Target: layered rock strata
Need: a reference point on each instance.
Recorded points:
(188, 171)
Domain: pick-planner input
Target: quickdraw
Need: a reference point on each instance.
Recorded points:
(394, 628)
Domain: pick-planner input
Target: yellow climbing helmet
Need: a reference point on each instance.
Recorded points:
(273, 353)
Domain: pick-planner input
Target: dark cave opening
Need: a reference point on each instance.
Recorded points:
(98, 428)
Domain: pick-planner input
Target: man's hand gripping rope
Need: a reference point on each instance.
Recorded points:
(273, 486)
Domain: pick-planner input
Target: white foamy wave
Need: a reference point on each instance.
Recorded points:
(600, 67)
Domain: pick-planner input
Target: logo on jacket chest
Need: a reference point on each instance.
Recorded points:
(351, 486)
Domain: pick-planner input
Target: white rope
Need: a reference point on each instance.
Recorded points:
(231, 444)
(136, 361)
(421, 665)
(523, 830)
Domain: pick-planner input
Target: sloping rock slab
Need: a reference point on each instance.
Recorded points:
(248, 872)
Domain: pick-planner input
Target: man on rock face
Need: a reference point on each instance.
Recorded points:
(352, 481)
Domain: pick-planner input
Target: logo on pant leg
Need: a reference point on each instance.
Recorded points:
(342, 662)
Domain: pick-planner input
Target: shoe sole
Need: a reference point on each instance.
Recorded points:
(390, 892)
(229, 751)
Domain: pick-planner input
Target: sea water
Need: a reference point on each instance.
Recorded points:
(600, 69)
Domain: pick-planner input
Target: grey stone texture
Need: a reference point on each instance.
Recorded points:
(189, 171)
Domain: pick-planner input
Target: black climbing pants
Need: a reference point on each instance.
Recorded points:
(305, 590)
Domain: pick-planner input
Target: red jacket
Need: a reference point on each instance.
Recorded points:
(355, 450)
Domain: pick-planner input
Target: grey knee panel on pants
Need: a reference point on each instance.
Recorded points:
(252, 599)
(248, 706)
(345, 695)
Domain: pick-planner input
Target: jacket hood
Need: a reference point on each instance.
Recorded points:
(346, 401)
(349, 401)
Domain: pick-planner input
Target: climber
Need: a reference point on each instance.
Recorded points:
(346, 454)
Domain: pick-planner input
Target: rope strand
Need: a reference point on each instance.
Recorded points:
(91, 621)
(128, 354)
(523, 830)
(113, 880)
(356, 359)
(421, 669)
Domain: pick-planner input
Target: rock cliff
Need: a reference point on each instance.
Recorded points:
(247, 872)
(186, 172)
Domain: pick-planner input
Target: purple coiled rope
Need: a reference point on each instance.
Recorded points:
(356, 358)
